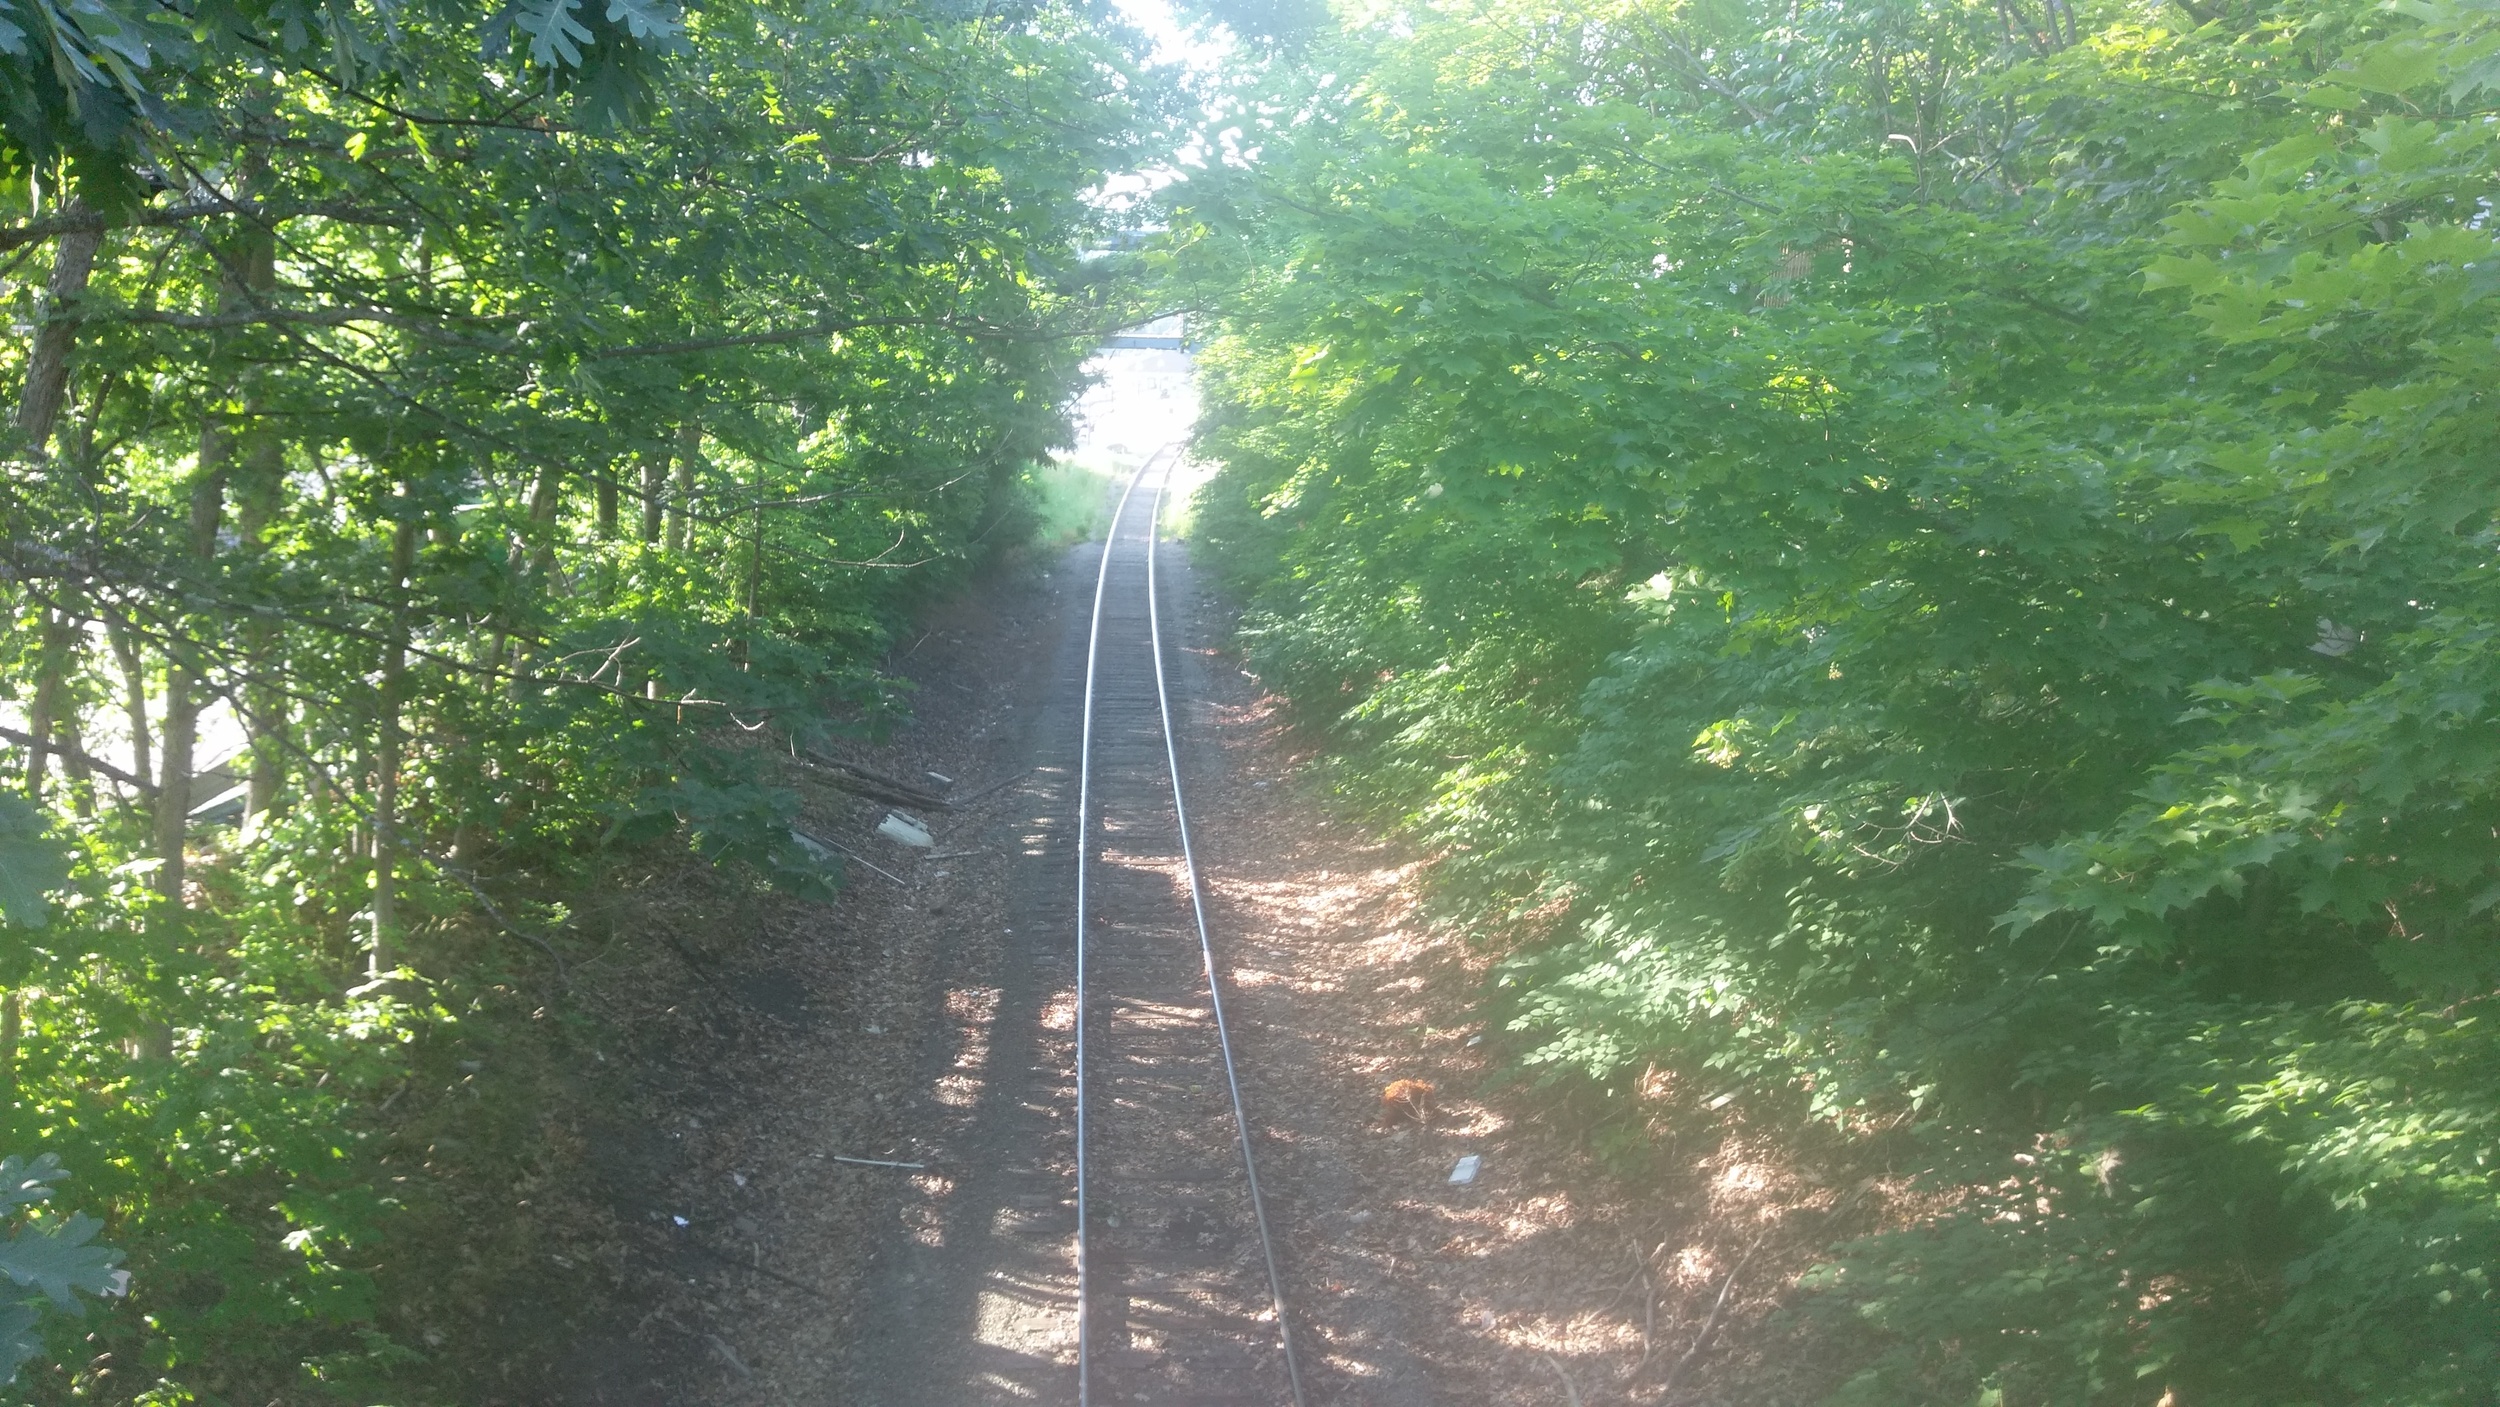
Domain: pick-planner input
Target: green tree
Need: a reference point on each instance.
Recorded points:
(355, 336)
(1949, 542)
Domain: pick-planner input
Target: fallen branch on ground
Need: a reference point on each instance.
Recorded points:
(1571, 1391)
(1000, 785)
(1710, 1325)
(836, 845)
(876, 786)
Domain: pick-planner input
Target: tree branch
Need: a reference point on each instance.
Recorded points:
(157, 216)
(89, 759)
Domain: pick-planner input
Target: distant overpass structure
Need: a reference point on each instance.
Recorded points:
(1164, 334)
(1127, 241)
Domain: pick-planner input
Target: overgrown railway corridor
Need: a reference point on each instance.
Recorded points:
(1125, 1254)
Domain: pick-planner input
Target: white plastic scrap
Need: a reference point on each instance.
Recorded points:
(1466, 1170)
(903, 830)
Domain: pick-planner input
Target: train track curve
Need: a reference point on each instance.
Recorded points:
(1179, 1300)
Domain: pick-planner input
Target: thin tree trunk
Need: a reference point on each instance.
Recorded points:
(47, 363)
(755, 581)
(259, 498)
(654, 492)
(134, 697)
(546, 506)
(12, 1030)
(250, 280)
(43, 714)
(246, 274)
(182, 675)
(386, 760)
(74, 768)
(173, 785)
(681, 497)
(84, 460)
(607, 504)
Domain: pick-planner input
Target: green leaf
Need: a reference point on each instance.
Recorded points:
(57, 1259)
(24, 1184)
(30, 864)
(19, 1341)
(2475, 77)
(645, 19)
(2396, 67)
(556, 37)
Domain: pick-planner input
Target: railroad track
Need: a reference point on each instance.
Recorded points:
(1178, 1297)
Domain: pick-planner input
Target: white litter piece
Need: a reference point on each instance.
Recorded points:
(728, 1356)
(903, 830)
(940, 778)
(816, 849)
(1466, 1170)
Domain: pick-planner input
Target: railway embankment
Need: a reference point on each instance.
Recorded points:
(863, 1112)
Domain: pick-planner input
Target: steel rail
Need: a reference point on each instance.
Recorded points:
(1206, 946)
(1084, 819)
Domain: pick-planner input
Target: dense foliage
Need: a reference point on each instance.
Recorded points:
(1940, 557)
(449, 442)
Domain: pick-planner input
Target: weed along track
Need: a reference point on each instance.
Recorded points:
(1178, 1295)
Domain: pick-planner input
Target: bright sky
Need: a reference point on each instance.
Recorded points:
(1142, 400)
(1174, 43)
(1139, 402)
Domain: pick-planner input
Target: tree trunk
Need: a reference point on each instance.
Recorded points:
(12, 1030)
(75, 769)
(84, 459)
(250, 280)
(681, 496)
(607, 504)
(257, 502)
(546, 506)
(134, 697)
(182, 675)
(43, 715)
(654, 492)
(261, 467)
(382, 958)
(259, 499)
(47, 363)
(755, 579)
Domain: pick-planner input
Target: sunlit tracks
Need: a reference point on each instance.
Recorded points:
(1177, 1290)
